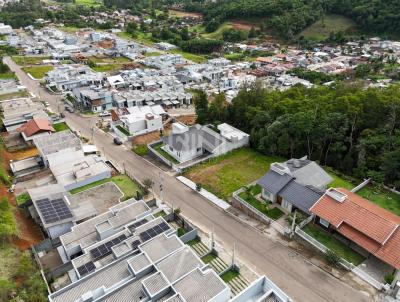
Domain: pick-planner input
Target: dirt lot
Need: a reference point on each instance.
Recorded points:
(29, 231)
(146, 138)
(242, 25)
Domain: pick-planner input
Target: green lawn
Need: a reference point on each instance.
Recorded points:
(107, 67)
(60, 127)
(140, 150)
(38, 72)
(229, 275)
(109, 60)
(190, 56)
(333, 244)
(141, 37)
(89, 2)
(158, 149)
(22, 198)
(208, 258)
(127, 186)
(193, 242)
(7, 75)
(383, 198)
(320, 30)
(228, 173)
(29, 60)
(274, 213)
(160, 214)
(339, 182)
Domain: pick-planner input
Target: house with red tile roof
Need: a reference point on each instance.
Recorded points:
(369, 226)
(34, 128)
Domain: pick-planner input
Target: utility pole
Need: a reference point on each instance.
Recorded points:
(294, 222)
(233, 254)
(162, 188)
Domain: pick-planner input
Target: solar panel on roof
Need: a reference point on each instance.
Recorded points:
(164, 226)
(86, 268)
(53, 210)
(144, 236)
(151, 232)
(95, 253)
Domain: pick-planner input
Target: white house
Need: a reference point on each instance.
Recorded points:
(138, 120)
(188, 143)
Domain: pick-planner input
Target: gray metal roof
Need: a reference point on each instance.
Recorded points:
(57, 141)
(302, 197)
(274, 182)
(312, 174)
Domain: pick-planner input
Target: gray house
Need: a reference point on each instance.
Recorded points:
(294, 184)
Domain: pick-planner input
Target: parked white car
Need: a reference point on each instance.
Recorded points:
(105, 113)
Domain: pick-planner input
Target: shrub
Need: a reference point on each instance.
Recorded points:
(389, 278)
(333, 258)
(198, 187)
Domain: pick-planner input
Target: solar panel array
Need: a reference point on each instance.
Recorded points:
(133, 226)
(86, 268)
(154, 231)
(105, 249)
(53, 210)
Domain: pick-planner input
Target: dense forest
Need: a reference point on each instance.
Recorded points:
(352, 129)
(22, 13)
(289, 17)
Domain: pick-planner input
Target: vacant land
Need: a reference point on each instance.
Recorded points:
(107, 67)
(333, 244)
(218, 33)
(99, 60)
(321, 29)
(127, 186)
(14, 95)
(228, 173)
(38, 72)
(29, 60)
(190, 56)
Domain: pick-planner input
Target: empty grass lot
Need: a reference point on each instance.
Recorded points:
(228, 173)
(7, 75)
(127, 186)
(38, 72)
(29, 60)
(14, 95)
(107, 67)
(333, 244)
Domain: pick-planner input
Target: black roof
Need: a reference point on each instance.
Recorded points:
(274, 182)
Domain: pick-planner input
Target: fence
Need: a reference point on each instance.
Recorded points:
(361, 185)
(239, 203)
(306, 221)
(347, 265)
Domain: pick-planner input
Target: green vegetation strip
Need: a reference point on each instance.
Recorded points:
(26, 60)
(208, 258)
(127, 186)
(333, 244)
(123, 130)
(141, 150)
(22, 198)
(164, 154)
(230, 275)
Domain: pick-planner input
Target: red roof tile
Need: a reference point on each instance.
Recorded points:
(34, 126)
(370, 226)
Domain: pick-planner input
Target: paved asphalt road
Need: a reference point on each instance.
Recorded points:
(294, 274)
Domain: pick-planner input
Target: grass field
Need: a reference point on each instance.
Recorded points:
(333, 244)
(29, 60)
(89, 2)
(38, 72)
(152, 54)
(60, 127)
(190, 56)
(383, 198)
(218, 33)
(109, 60)
(228, 173)
(320, 30)
(7, 75)
(107, 67)
(127, 186)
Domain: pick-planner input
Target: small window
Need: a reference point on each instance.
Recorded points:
(198, 149)
(324, 222)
